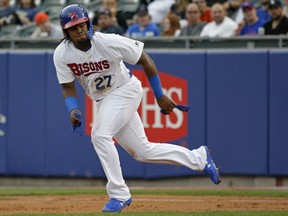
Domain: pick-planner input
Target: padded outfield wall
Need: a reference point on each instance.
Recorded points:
(239, 103)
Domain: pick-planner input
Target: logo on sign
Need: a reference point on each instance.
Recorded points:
(158, 127)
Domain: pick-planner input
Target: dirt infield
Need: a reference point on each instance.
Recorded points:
(148, 203)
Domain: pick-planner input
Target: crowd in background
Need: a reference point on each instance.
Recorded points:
(153, 18)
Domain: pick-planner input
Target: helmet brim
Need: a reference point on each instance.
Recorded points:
(75, 22)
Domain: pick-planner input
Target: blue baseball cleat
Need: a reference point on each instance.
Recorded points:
(210, 168)
(115, 205)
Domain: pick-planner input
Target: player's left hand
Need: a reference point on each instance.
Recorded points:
(181, 107)
(166, 104)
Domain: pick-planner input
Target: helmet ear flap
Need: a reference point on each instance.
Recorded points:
(90, 29)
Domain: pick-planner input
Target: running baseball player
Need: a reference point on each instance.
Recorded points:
(95, 60)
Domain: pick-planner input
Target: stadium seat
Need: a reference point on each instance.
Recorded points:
(25, 31)
(94, 5)
(52, 7)
(128, 7)
(81, 2)
(53, 10)
(9, 30)
(52, 2)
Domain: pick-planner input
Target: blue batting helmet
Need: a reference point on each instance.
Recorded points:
(73, 15)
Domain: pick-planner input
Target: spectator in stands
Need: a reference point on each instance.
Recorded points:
(106, 23)
(179, 8)
(158, 10)
(145, 2)
(144, 27)
(221, 26)
(204, 9)
(26, 10)
(171, 25)
(285, 8)
(232, 7)
(234, 10)
(95, 22)
(7, 14)
(278, 24)
(45, 28)
(262, 11)
(117, 15)
(251, 21)
(195, 25)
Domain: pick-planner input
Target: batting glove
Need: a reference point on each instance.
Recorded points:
(182, 108)
(79, 129)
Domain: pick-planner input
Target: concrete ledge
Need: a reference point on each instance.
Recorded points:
(227, 181)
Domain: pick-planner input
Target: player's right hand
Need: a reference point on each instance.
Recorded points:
(75, 118)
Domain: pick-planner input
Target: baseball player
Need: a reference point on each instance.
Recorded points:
(95, 60)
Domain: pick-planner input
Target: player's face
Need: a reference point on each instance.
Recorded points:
(78, 33)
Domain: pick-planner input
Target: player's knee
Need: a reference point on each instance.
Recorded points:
(140, 156)
(98, 137)
(136, 157)
(143, 153)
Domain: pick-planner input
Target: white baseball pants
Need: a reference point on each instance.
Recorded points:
(116, 116)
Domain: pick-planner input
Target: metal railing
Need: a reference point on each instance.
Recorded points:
(185, 42)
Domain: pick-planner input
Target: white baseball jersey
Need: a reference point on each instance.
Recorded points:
(99, 70)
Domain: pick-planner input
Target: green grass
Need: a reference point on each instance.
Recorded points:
(48, 191)
(175, 192)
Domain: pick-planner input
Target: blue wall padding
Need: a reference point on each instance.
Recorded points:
(3, 111)
(278, 135)
(237, 110)
(26, 109)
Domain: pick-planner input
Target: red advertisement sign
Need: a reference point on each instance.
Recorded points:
(158, 127)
